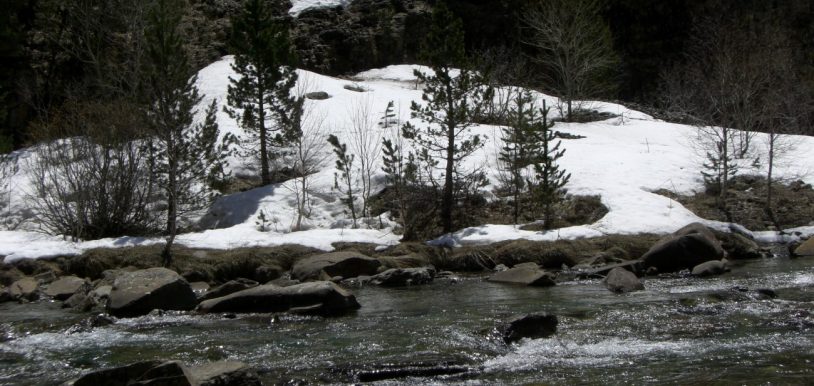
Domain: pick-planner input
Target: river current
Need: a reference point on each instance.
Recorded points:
(680, 330)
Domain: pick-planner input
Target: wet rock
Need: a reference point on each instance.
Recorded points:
(118, 376)
(199, 287)
(229, 287)
(100, 294)
(620, 280)
(270, 298)
(542, 253)
(80, 301)
(806, 248)
(686, 248)
(266, 273)
(137, 293)
(738, 246)
(400, 277)
(344, 264)
(524, 275)
(538, 325)
(224, 373)
(65, 287)
(317, 95)
(710, 268)
(26, 288)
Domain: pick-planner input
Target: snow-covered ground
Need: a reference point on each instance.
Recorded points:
(623, 160)
(298, 6)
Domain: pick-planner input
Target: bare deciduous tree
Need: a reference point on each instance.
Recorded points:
(575, 49)
(365, 143)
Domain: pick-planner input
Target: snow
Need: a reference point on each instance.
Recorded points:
(297, 6)
(624, 160)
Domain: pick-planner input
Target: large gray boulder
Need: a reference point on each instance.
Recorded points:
(26, 288)
(329, 265)
(139, 292)
(538, 325)
(620, 280)
(65, 287)
(686, 248)
(401, 277)
(326, 297)
(224, 373)
(525, 275)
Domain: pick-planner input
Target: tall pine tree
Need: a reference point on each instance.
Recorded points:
(184, 153)
(450, 101)
(550, 178)
(521, 146)
(260, 99)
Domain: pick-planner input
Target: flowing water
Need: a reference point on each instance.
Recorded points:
(680, 330)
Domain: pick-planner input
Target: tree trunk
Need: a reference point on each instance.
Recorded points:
(265, 175)
(448, 199)
(769, 180)
(172, 201)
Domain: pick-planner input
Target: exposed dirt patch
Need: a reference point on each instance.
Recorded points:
(793, 204)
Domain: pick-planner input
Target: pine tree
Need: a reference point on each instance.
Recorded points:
(344, 166)
(450, 103)
(184, 153)
(521, 144)
(260, 99)
(550, 178)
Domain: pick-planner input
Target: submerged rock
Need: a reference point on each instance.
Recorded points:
(329, 297)
(343, 264)
(538, 325)
(710, 268)
(65, 287)
(139, 292)
(620, 280)
(224, 373)
(525, 275)
(400, 277)
(172, 373)
(686, 248)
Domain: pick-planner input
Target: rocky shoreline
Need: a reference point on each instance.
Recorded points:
(296, 280)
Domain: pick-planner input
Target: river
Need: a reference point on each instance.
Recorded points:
(680, 330)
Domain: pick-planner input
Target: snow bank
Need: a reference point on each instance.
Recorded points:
(297, 6)
(624, 160)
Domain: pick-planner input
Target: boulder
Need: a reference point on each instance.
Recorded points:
(317, 95)
(620, 280)
(400, 277)
(224, 373)
(139, 292)
(738, 246)
(343, 264)
(542, 253)
(80, 301)
(806, 248)
(524, 275)
(229, 287)
(710, 268)
(538, 325)
(24, 289)
(270, 298)
(65, 287)
(634, 266)
(686, 248)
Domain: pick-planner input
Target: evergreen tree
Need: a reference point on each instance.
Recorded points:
(184, 153)
(521, 144)
(450, 103)
(550, 178)
(260, 99)
(344, 164)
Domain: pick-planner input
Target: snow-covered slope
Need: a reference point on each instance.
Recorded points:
(623, 160)
(298, 6)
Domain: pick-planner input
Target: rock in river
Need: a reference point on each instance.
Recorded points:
(65, 287)
(25, 288)
(139, 292)
(620, 280)
(710, 268)
(172, 373)
(342, 264)
(526, 275)
(538, 325)
(806, 248)
(328, 297)
(401, 277)
(686, 248)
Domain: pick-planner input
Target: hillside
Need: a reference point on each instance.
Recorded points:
(623, 159)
